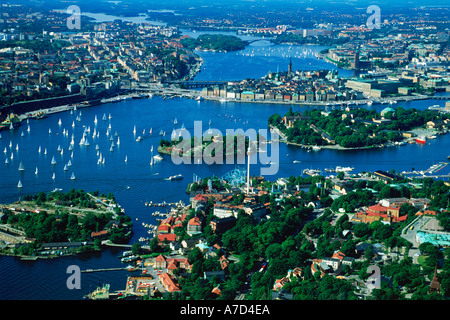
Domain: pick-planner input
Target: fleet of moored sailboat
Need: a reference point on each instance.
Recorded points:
(84, 142)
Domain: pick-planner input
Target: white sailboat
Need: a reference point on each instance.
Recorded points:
(21, 168)
(19, 185)
(72, 177)
(53, 176)
(134, 130)
(126, 159)
(39, 150)
(104, 117)
(5, 151)
(95, 120)
(65, 168)
(69, 164)
(6, 160)
(53, 161)
(49, 131)
(118, 140)
(59, 122)
(45, 151)
(36, 172)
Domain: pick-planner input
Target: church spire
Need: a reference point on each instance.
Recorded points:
(435, 285)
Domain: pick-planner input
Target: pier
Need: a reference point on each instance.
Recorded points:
(112, 269)
(102, 270)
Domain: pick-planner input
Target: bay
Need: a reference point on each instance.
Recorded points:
(136, 182)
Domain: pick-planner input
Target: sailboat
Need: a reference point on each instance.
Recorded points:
(49, 131)
(59, 122)
(72, 177)
(150, 132)
(65, 168)
(95, 120)
(151, 159)
(6, 161)
(134, 130)
(69, 164)
(126, 159)
(19, 185)
(104, 117)
(45, 151)
(21, 168)
(53, 176)
(175, 121)
(53, 161)
(118, 140)
(39, 149)
(36, 172)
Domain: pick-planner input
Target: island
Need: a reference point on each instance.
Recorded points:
(236, 145)
(361, 128)
(214, 42)
(57, 224)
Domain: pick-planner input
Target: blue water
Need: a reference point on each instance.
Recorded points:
(136, 182)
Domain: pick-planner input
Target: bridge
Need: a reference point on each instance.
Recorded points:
(198, 84)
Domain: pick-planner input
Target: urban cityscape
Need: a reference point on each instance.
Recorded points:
(347, 102)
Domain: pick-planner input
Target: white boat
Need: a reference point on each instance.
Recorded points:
(158, 157)
(139, 139)
(59, 122)
(19, 185)
(175, 121)
(36, 172)
(6, 160)
(72, 177)
(118, 140)
(176, 177)
(126, 158)
(69, 164)
(49, 131)
(45, 151)
(53, 176)
(65, 168)
(53, 161)
(95, 120)
(134, 130)
(21, 168)
(104, 117)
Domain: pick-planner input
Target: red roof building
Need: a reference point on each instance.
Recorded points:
(380, 213)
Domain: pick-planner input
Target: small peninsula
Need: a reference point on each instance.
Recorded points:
(359, 128)
(56, 224)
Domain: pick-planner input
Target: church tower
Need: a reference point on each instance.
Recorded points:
(435, 285)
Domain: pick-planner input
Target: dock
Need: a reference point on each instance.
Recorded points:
(109, 269)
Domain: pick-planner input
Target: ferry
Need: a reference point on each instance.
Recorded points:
(101, 293)
(421, 140)
(176, 177)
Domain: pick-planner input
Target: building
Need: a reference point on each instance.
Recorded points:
(379, 212)
(194, 226)
(169, 282)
